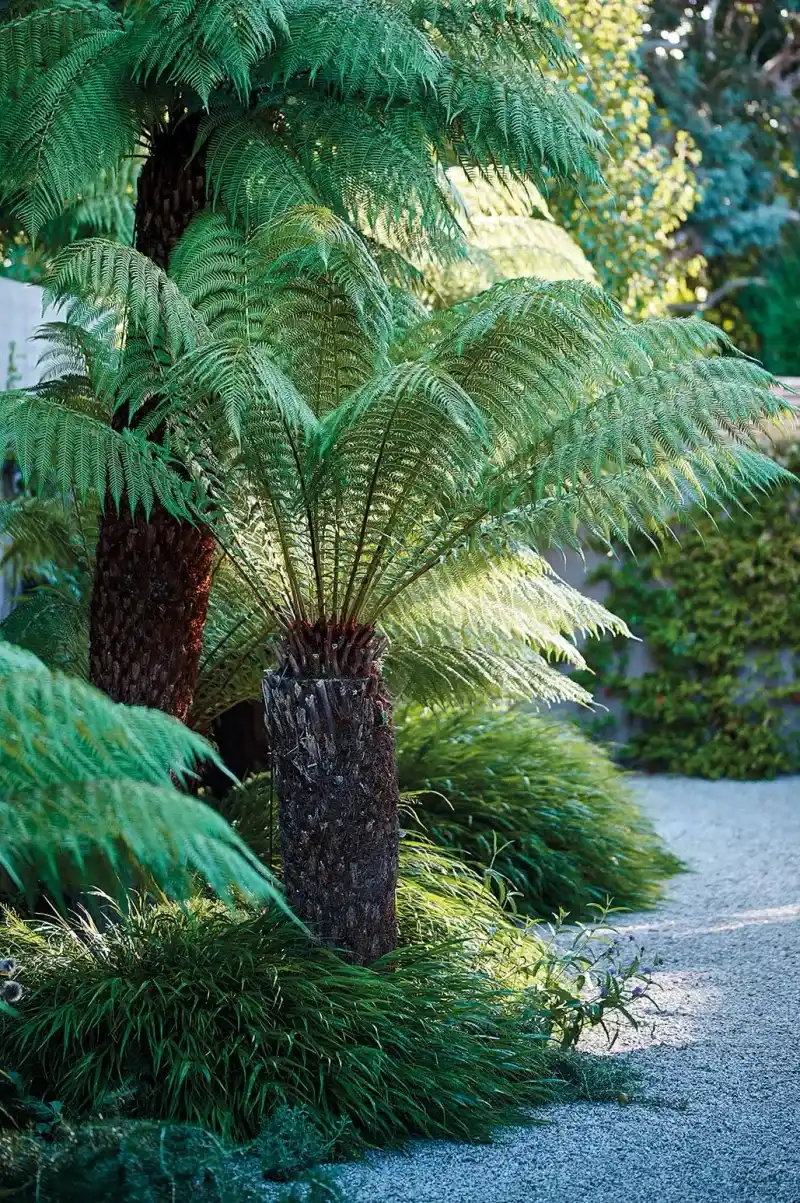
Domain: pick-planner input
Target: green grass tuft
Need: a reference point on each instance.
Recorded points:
(222, 1017)
(533, 798)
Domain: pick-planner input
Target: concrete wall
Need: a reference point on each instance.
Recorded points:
(20, 317)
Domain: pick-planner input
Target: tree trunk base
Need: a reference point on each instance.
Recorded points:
(336, 776)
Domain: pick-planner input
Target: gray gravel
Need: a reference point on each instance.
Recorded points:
(719, 1116)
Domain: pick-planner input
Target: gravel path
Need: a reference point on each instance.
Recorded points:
(719, 1116)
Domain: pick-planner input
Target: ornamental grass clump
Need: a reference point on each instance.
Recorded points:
(220, 1018)
(223, 1017)
(536, 801)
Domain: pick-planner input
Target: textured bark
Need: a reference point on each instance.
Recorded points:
(152, 579)
(336, 777)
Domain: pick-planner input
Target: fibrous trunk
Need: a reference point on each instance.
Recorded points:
(329, 719)
(152, 578)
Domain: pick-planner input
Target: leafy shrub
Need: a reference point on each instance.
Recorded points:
(127, 1162)
(536, 801)
(719, 610)
(223, 1017)
(293, 1142)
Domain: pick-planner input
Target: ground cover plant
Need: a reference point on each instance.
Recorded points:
(536, 801)
(217, 1018)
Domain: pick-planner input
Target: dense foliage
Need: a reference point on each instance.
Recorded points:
(727, 73)
(719, 609)
(93, 792)
(535, 800)
(629, 227)
(215, 1017)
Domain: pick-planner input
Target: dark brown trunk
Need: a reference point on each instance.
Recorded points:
(152, 578)
(329, 718)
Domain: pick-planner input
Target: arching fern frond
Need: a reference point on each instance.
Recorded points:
(59, 448)
(360, 49)
(77, 120)
(33, 44)
(249, 169)
(119, 277)
(203, 43)
(85, 782)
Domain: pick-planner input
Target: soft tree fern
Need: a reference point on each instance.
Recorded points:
(258, 107)
(388, 472)
(88, 787)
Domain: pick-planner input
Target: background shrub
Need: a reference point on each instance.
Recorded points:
(719, 610)
(536, 800)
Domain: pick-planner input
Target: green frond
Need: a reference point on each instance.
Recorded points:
(217, 271)
(375, 170)
(33, 44)
(483, 625)
(536, 28)
(85, 782)
(73, 123)
(52, 622)
(58, 448)
(510, 234)
(249, 170)
(202, 44)
(42, 534)
(359, 49)
(119, 277)
(103, 209)
(250, 397)
(456, 672)
(237, 646)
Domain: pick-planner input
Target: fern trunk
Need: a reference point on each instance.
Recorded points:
(152, 577)
(329, 716)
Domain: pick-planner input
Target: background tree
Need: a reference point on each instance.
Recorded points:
(268, 105)
(630, 229)
(728, 73)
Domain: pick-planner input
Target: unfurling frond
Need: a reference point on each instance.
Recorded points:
(127, 281)
(86, 783)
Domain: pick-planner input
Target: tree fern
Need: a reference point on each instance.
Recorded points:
(87, 783)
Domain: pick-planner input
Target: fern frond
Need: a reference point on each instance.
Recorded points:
(510, 234)
(84, 780)
(44, 533)
(74, 122)
(249, 170)
(459, 671)
(359, 49)
(119, 277)
(59, 448)
(104, 209)
(200, 44)
(33, 44)
(490, 624)
(52, 622)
